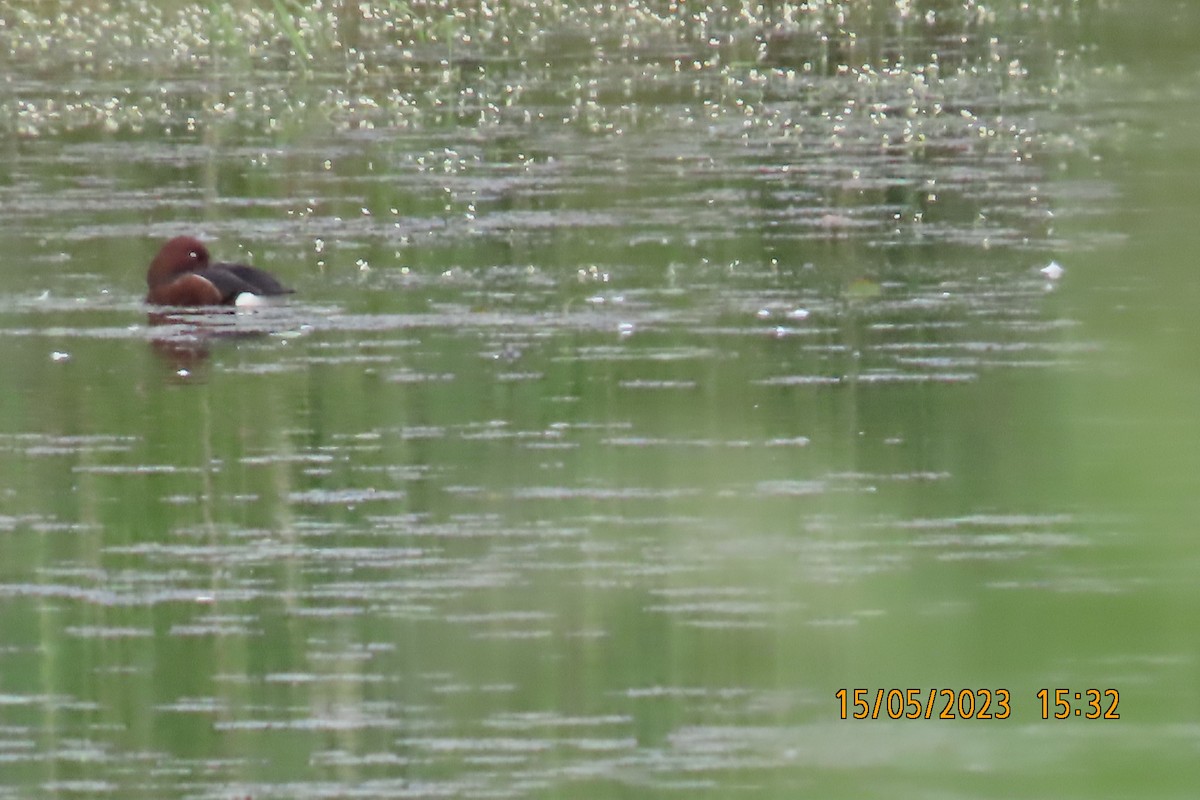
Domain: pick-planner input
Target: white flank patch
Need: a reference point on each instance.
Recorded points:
(249, 300)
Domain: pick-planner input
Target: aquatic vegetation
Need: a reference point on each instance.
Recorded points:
(606, 68)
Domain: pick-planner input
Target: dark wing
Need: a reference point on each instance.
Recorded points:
(263, 282)
(233, 279)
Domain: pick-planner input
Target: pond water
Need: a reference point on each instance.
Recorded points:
(653, 373)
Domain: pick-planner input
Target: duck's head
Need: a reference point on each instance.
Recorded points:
(181, 254)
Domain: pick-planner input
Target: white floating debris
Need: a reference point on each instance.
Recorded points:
(1052, 271)
(625, 329)
(763, 313)
(798, 313)
(58, 355)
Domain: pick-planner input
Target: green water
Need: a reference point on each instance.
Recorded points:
(652, 375)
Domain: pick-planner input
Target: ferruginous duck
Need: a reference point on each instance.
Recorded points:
(182, 274)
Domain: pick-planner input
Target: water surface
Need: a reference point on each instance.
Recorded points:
(651, 376)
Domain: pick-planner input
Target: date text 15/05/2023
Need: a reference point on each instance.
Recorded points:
(972, 703)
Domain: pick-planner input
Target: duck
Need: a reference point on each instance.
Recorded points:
(182, 274)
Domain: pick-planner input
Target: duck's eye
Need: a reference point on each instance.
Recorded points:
(193, 255)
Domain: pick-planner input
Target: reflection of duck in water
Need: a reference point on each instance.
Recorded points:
(183, 275)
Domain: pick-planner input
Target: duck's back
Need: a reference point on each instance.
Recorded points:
(233, 280)
(261, 282)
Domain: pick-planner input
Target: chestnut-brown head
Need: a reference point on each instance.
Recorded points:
(181, 254)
